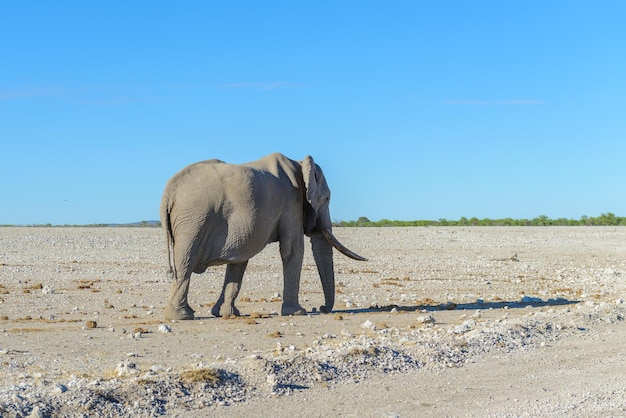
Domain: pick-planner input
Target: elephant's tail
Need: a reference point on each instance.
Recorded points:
(169, 237)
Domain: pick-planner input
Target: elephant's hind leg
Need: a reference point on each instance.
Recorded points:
(177, 306)
(225, 305)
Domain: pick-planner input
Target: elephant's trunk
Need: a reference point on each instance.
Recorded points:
(323, 254)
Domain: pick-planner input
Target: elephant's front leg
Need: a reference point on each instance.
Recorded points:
(225, 305)
(291, 253)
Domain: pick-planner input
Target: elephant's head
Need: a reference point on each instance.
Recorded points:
(318, 226)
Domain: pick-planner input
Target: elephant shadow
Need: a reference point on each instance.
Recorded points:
(518, 304)
(449, 306)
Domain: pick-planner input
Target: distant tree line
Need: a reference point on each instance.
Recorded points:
(608, 219)
(605, 219)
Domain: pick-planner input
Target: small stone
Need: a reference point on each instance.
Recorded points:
(426, 319)
(36, 413)
(46, 290)
(272, 380)
(59, 388)
(368, 325)
(126, 368)
(465, 326)
(165, 328)
(91, 324)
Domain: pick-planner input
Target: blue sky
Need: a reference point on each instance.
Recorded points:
(414, 109)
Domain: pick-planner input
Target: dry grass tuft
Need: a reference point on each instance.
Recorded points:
(357, 351)
(391, 281)
(205, 375)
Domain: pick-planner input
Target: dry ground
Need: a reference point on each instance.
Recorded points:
(440, 322)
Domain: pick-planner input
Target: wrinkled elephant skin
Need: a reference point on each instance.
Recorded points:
(216, 213)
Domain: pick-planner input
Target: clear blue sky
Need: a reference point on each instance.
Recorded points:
(414, 109)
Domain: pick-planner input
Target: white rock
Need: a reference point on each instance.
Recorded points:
(165, 328)
(272, 380)
(47, 290)
(465, 326)
(126, 368)
(426, 319)
(36, 413)
(368, 325)
(59, 388)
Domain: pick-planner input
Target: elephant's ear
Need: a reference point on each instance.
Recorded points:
(311, 174)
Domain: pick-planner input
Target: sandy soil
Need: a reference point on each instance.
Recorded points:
(440, 322)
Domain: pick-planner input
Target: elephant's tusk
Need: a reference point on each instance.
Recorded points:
(339, 246)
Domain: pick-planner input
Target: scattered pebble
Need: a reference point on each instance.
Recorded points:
(47, 290)
(426, 319)
(368, 325)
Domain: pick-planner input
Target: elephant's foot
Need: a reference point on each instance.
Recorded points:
(292, 309)
(225, 310)
(180, 314)
(326, 309)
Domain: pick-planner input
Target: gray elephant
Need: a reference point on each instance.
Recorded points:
(216, 213)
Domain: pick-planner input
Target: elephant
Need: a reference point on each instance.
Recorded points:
(216, 213)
